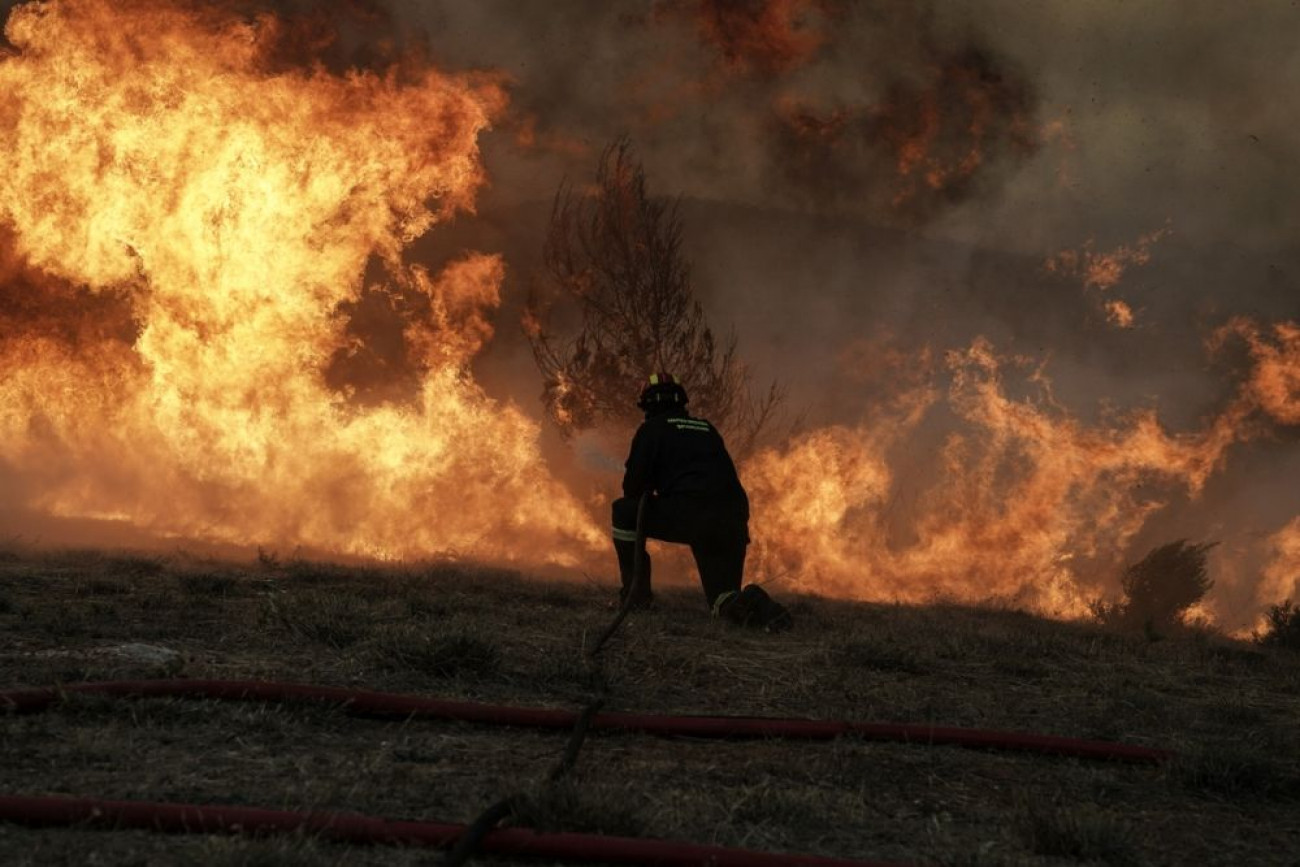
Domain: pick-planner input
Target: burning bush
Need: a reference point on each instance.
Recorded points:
(1161, 587)
(1283, 629)
(616, 253)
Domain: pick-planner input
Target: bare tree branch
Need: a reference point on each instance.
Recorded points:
(616, 254)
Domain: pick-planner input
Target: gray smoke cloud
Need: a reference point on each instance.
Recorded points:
(1167, 110)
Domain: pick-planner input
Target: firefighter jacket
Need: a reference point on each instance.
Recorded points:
(675, 454)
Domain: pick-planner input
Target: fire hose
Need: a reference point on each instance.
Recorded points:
(396, 705)
(630, 595)
(369, 830)
(469, 843)
(483, 835)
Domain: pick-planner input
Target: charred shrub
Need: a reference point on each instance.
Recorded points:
(1283, 628)
(614, 262)
(1160, 588)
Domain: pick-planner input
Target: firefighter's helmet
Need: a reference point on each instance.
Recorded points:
(661, 392)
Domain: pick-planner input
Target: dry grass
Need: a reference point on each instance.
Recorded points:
(1233, 795)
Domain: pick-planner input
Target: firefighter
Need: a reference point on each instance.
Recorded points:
(696, 499)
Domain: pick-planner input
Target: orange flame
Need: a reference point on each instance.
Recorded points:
(1104, 271)
(1024, 501)
(1119, 313)
(1282, 573)
(157, 151)
(767, 37)
(1058, 132)
(944, 133)
(1273, 384)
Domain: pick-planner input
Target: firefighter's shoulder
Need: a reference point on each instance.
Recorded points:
(687, 423)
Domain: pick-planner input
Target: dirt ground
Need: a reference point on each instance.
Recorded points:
(1230, 709)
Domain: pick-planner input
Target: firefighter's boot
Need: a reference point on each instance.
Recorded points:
(754, 609)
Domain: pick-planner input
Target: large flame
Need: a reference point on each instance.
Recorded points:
(157, 152)
(1282, 572)
(1023, 502)
(1273, 383)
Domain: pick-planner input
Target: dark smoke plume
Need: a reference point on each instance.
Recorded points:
(923, 146)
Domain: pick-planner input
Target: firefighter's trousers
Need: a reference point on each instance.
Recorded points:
(716, 529)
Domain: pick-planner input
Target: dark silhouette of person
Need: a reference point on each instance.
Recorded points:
(695, 499)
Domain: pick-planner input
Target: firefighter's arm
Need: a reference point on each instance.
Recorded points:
(639, 469)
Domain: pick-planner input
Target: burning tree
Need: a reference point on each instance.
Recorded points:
(616, 254)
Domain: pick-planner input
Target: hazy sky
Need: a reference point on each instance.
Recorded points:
(1139, 112)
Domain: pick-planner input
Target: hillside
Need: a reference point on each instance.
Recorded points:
(459, 631)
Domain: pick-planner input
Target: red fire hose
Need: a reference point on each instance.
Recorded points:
(368, 703)
(359, 829)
